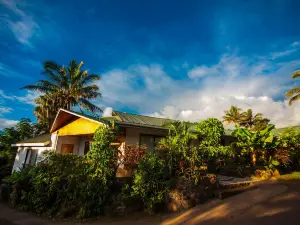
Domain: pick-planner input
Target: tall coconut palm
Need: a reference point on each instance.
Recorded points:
(233, 115)
(65, 87)
(294, 93)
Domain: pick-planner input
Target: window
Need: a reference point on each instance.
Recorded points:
(150, 141)
(86, 147)
(67, 148)
(31, 156)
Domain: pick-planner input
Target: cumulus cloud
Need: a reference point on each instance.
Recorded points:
(107, 112)
(5, 123)
(139, 87)
(258, 83)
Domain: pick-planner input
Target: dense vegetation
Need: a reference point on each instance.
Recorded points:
(68, 185)
(179, 174)
(23, 130)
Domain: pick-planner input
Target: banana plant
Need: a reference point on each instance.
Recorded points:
(253, 142)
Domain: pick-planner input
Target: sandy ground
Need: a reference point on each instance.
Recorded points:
(268, 204)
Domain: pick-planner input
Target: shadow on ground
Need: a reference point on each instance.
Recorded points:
(270, 203)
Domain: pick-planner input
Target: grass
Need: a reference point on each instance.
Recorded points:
(290, 176)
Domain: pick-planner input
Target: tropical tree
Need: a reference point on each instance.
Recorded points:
(251, 121)
(294, 93)
(257, 142)
(65, 87)
(176, 146)
(233, 115)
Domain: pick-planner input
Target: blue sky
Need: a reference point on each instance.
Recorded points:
(181, 59)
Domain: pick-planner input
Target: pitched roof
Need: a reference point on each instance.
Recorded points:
(41, 140)
(140, 120)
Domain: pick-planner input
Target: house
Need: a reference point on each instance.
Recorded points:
(72, 132)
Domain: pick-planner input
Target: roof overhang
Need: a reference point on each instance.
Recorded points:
(63, 117)
(31, 144)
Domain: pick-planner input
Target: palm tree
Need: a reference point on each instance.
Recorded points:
(254, 122)
(65, 87)
(248, 119)
(233, 115)
(294, 93)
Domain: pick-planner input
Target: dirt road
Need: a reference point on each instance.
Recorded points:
(273, 203)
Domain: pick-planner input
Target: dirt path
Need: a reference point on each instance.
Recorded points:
(269, 204)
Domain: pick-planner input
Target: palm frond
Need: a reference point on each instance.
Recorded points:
(37, 88)
(46, 84)
(292, 92)
(294, 98)
(90, 78)
(51, 65)
(296, 74)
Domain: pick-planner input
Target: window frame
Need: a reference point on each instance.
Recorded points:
(150, 135)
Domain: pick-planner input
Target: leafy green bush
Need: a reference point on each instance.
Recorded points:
(68, 185)
(149, 181)
(290, 141)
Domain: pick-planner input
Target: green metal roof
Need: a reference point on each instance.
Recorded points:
(141, 120)
(130, 119)
(39, 139)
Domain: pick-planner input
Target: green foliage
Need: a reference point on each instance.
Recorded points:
(68, 185)
(247, 119)
(210, 132)
(290, 141)
(64, 87)
(24, 129)
(176, 147)
(293, 94)
(260, 142)
(149, 181)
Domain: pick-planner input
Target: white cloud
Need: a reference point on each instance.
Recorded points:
(131, 87)
(5, 110)
(107, 112)
(294, 47)
(5, 123)
(24, 28)
(202, 71)
(28, 98)
(228, 63)
(258, 83)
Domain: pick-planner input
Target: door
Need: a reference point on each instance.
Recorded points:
(67, 148)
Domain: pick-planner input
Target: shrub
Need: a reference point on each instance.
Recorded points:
(133, 155)
(290, 141)
(149, 181)
(68, 185)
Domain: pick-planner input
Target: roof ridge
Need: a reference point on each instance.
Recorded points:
(135, 114)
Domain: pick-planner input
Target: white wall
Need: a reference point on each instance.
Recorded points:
(21, 155)
(68, 140)
(133, 134)
(77, 141)
(82, 140)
